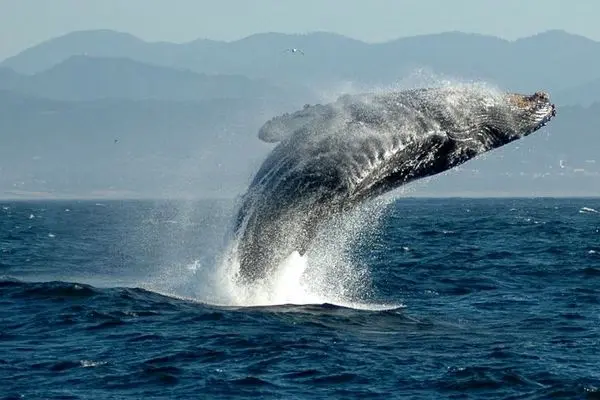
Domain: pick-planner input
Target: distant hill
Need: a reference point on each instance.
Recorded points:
(89, 78)
(96, 43)
(553, 60)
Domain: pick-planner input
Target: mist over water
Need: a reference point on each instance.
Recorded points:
(328, 273)
(418, 78)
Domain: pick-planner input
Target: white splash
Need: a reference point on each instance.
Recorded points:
(284, 286)
(297, 282)
(325, 274)
(91, 363)
(287, 281)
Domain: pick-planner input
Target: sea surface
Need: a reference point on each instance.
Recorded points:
(441, 299)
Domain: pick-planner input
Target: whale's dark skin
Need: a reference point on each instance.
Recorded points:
(332, 157)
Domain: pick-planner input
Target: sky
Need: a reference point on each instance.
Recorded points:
(24, 23)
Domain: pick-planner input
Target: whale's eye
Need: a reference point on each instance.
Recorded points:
(540, 96)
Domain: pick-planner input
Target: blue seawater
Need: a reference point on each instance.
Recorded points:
(491, 299)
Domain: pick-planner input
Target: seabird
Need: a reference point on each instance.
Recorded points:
(294, 50)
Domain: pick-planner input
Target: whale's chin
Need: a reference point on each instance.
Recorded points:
(332, 157)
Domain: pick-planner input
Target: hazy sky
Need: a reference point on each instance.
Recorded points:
(24, 23)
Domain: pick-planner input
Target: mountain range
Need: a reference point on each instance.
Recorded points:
(553, 60)
(105, 112)
(90, 78)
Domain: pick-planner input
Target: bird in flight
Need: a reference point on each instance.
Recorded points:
(294, 50)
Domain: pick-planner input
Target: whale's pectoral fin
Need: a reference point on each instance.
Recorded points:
(283, 126)
(273, 131)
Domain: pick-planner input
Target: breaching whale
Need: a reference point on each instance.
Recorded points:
(331, 157)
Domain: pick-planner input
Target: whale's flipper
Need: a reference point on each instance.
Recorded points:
(281, 127)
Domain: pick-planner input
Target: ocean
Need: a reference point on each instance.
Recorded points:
(432, 299)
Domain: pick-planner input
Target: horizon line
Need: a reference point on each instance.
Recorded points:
(424, 196)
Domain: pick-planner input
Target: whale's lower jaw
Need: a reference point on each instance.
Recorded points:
(319, 170)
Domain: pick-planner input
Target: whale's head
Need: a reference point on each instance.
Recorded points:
(444, 127)
(489, 120)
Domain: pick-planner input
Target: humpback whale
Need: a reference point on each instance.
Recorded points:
(331, 157)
